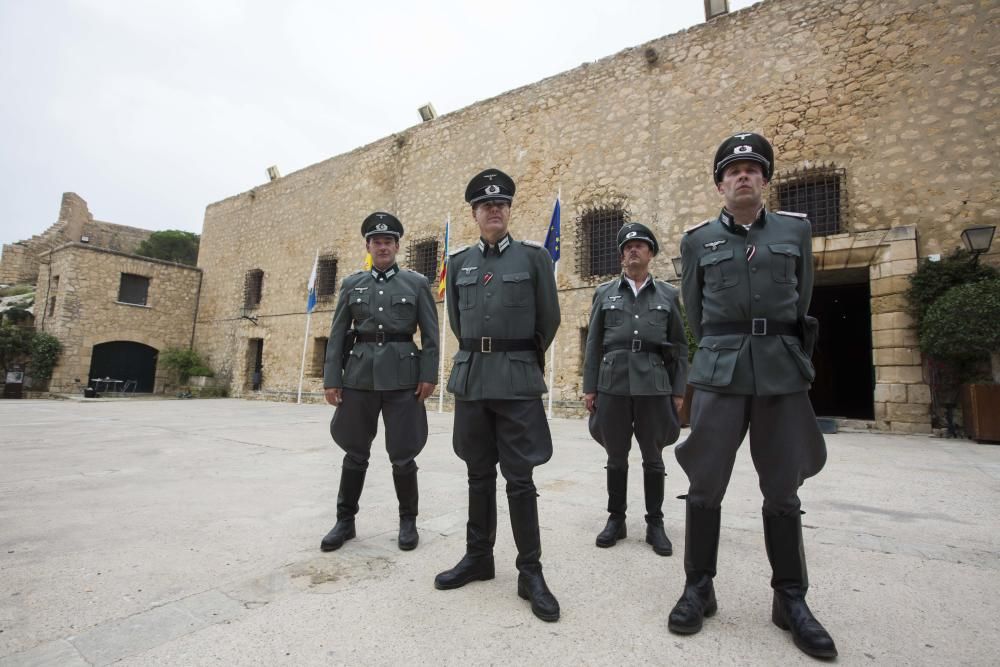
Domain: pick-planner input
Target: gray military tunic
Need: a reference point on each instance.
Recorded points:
(380, 375)
(746, 293)
(636, 359)
(495, 295)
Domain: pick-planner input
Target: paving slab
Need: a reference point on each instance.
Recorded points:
(186, 532)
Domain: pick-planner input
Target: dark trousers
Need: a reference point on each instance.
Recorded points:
(355, 425)
(785, 444)
(652, 419)
(513, 433)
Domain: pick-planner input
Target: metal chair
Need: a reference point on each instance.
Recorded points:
(129, 386)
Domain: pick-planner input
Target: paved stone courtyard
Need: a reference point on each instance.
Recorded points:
(168, 532)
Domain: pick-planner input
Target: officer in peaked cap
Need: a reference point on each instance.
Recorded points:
(503, 308)
(382, 224)
(746, 283)
(373, 366)
(634, 374)
(746, 146)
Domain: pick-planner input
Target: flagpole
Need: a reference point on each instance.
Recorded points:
(305, 339)
(552, 353)
(444, 324)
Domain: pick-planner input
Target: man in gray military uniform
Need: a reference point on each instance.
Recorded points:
(377, 368)
(503, 308)
(634, 374)
(747, 282)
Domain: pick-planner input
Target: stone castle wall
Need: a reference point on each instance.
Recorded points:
(84, 281)
(20, 261)
(900, 95)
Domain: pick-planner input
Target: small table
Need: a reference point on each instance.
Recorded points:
(106, 384)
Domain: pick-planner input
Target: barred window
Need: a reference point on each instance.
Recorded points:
(133, 289)
(253, 287)
(597, 251)
(819, 192)
(422, 257)
(326, 277)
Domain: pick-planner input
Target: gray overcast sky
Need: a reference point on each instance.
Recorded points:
(150, 110)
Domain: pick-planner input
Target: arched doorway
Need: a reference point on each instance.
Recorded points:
(125, 360)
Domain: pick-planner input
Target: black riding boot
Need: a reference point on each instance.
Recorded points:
(655, 535)
(480, 536)
(617, 502)
(701, 549)
(351, 483)
(783, 539)
(530, 582)
(407, 495)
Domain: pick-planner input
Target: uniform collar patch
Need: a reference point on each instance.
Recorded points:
(501, 246)
(385, 275)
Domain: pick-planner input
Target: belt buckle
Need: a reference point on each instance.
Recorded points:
(486, 344)
(637, 345)
(380, 337)
(759, 326)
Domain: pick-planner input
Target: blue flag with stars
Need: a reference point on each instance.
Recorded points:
(552, 237)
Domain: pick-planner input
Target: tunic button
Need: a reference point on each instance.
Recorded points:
(380, 326)
(636, 333)
(404, 299)
(381, 292)
(636, 317)
(489, 294)
(380, 309)
(753, 269)
(612, 307)
(487, 317)
(359, 300)
(756, 297)
(658, 308)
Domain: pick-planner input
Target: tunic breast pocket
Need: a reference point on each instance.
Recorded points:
(359, 306)
(467, 290)
(784, 262)
(659, 313)
(515, 289)
(720, 269)
(613, 315)
(404, 306)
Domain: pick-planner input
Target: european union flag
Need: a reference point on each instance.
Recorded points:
(552, 237)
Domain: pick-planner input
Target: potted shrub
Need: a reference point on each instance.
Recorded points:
(961, 329)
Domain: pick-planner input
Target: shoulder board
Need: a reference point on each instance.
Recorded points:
(794, 215)
(608, 282)
(357, 273)
(533, 244)
(698, 226)
(458, 250)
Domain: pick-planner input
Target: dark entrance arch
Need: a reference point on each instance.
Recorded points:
(125, 360)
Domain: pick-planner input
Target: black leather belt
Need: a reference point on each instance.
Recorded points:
(637, 345)
(488, 344)
(759, 326)
(384, 338)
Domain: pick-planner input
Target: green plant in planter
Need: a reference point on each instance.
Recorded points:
(184, 363)
(948, 366)
(961, 328)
